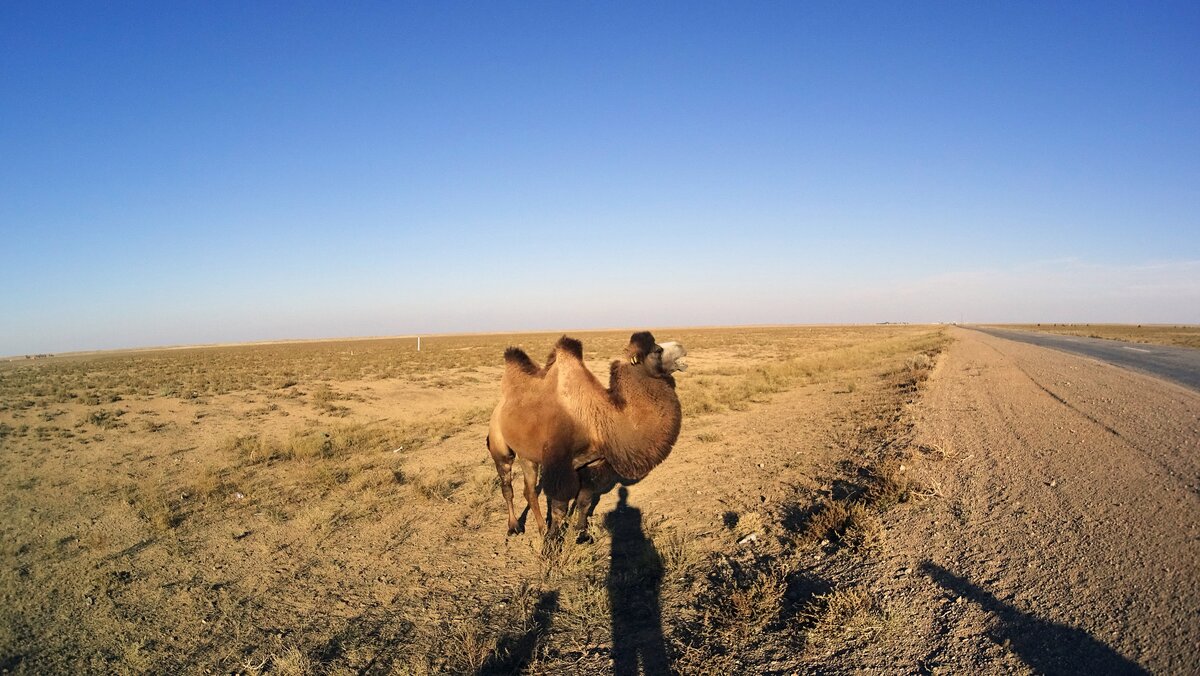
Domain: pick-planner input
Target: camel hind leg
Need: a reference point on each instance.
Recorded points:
(529, 469)
(504, 462)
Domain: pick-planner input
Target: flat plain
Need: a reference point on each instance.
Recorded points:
(1181, 335)
(329, 507)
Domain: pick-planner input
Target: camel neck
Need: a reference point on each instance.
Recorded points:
(646, 423)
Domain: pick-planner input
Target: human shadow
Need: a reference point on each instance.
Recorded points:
(634, 578)
(514, 652)
(1046, 647)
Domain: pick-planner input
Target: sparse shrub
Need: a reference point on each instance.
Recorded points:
(327, 476)
(887, 484)
(106, 419)
(840, 617)
(293, 662)
(437, 488)
(153, 506)
(252, 448)
(852, 524)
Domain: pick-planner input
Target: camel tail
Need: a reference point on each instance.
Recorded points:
(515, 356)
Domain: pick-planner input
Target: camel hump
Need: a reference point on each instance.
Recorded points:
(641, 343)
(517, 357)
(570, 346)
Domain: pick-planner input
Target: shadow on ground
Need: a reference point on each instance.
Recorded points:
(634, 580)
(1046, 647)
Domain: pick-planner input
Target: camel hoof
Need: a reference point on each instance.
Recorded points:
(584, 539)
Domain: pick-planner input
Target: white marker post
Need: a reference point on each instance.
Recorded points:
(418, 343)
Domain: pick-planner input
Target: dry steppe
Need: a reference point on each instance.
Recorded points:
(329, 507)
(1181, 335)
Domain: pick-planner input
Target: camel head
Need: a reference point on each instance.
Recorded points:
(657, 360)
(672, 353)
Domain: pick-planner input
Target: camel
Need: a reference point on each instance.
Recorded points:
(586, 438)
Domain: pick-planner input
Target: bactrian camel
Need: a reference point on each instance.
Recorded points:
(586, 438)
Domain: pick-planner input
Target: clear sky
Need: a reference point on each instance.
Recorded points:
(200, 172)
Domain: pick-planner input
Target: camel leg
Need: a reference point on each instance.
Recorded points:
(530, 470)
(504, 469)
(585, 503)
(594, 482)
(558, 517)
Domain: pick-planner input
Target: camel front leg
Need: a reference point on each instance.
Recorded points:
(558, 517)
(585, 504)
(594, 480)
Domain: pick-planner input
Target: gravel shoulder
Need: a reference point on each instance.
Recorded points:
(1068, 527)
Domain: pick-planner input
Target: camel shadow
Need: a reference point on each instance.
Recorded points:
(1046, 647)
(514, 652)
(634, 580)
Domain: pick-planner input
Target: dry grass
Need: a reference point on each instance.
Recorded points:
(1180, 335)
(153, 505)
(329, 508)
(842, 618)
(853, 524)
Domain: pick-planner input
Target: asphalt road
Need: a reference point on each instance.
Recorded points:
(1177, 364)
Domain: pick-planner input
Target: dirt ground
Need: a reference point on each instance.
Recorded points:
(841, 499)
(1070, 522)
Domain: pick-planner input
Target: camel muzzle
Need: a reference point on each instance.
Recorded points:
(672, 352)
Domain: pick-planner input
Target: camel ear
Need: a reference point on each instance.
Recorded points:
(640, 345)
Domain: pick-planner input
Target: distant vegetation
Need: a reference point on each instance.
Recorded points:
(1181, 335)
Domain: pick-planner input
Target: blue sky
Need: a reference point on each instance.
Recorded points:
(177, 173)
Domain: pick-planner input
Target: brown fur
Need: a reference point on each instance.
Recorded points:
(517, 357)
(586, 436)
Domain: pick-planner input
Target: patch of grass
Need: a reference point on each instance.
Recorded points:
(1179, 335)
(105, 419)
(852, 524)
(707, 395)
(888, 483)
(153, 505)
(293, 662)
(840, 618)
(439, 487)
(252, 448)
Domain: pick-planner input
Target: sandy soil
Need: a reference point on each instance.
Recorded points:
(1068, 536)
